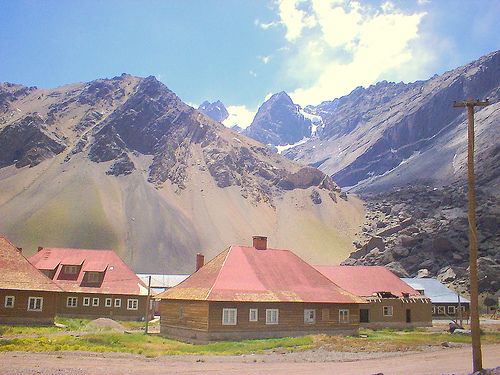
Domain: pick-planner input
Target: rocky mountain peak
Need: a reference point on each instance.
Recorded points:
(216, 110)
(279, 121)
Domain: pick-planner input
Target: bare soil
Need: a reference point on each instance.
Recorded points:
(441, 361)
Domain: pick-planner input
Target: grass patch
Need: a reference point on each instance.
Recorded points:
(151, 346)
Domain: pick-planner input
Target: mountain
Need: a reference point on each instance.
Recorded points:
(279, 121)
(123, 163)
(392, 134)
(216, 110)
(403, 148)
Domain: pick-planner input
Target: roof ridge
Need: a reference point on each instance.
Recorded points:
(218, 273)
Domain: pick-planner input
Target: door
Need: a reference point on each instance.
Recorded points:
(408, 316)
(364, 316)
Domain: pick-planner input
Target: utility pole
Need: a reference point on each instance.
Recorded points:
(474, 290)
(147, 305)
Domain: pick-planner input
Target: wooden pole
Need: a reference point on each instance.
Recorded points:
(459, 311)
(147, 305)
(474, 290)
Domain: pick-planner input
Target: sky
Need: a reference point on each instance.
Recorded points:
(242, 51)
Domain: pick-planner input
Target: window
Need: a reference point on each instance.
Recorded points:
(387, 310)
(108, 302)
(95, 301)
(70, 270)
(118, 302)
(9, 302)
(132, 304)
(325, 315)
(344, 316)
(441, 310)
(35, 303)
(93, 277)
(86, 301)
(229, 317)
(254, 315)
(72, 302)
(451, 310)
(433, 310)
(309, 316)
(272, 316)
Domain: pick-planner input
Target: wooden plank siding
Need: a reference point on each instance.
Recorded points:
(421, 313)
(184, 314)
(19, 313)
(101, 311)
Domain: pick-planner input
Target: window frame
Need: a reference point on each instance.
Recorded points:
(72, 298)
(94, 299)
(36, 299)
(389, 311)
(108, 302)
(269, 315)
(309, 316)
(255, 316)
(93, 277)
(227, 314)
(344, 316)
(135, 302)
(451, 307)
(441, 310)
(119, 304)
(86, 301)
(434, 310)
(9, 305)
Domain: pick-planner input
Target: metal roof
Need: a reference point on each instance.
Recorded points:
(366, 281)
(250, 275)
(435, 290)
(162, 281)
(17, 273)
(118, 277)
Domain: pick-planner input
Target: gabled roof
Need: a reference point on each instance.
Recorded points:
(247, 274)
(118, 277)
(17, 273)
(433, 289)
(366, 281)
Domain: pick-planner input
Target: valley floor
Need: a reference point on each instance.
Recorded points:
(439, 361)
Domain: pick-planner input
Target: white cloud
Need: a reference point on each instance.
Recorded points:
(252, 73)
(239, 115)
(348, 44)
(264, 59)
(264, 25)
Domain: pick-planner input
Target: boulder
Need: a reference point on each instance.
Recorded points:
(446, 275)
(398, 269)
(400, 251)
(423, 272)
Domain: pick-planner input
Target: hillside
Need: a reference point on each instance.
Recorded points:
(123, 163)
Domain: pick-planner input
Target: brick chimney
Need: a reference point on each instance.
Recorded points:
(200, 261)
(260, 242)
(40, 248)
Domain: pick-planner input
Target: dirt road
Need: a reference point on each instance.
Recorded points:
(445, 361)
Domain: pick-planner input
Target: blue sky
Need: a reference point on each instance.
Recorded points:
(241, 51)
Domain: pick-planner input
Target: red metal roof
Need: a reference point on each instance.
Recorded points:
(17, 273)
(247, 274)
(118, 277)
(365, 281)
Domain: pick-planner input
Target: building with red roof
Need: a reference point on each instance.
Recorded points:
(96, 283)
(391, 301)
(26, 295)
(256, 292)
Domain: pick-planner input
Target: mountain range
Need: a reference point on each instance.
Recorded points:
(123, 163)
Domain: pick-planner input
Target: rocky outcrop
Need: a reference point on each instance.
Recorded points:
(428, 232)
(279, 122)
(27, 143)
(216, 110)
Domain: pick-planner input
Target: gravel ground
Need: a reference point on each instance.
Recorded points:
(443, 361)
